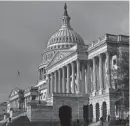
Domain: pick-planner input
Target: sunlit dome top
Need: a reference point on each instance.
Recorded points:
(66, 36)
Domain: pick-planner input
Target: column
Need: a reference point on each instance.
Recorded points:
(39, 74)
(91, 77)
(48, 84)
(68, 78)
(83, 78)
(44, 73)
(86, 81)
(108, 69)
(51, 84)
(78, 74)
(63, 80)
(88, 78)
(59, 81)
(94, 76)
(73, 77)
(100, 108)
(108, 109)
(56, 83)
(94, 112)
(100, 73)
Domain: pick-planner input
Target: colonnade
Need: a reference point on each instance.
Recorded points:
(100, 73)
(64, 79)
(81, 76)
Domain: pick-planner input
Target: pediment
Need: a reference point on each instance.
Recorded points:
(13, 92)
(60, 55)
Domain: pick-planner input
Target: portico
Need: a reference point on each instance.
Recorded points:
(68, 78)
(100, 72)
(74, 76)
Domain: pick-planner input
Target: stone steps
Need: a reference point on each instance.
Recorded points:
(98, 124)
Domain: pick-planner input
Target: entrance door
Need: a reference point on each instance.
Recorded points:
(65, 115)
(86, 113)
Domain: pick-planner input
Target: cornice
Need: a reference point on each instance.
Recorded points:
(109, 39)
(62, 60)
(69, 59)
(97, 52)
(96, 48)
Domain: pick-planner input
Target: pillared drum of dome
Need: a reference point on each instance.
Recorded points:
(66, 36)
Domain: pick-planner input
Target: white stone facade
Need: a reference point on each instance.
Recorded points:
(71, 69)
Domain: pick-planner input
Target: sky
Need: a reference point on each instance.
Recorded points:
(25, 28)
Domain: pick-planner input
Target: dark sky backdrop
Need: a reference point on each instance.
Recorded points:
(25, 28)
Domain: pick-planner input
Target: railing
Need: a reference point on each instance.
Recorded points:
(109, 38)
(99, 40)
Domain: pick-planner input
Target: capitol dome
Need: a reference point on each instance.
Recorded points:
(66, 36)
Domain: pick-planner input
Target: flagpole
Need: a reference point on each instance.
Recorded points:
(18, 76)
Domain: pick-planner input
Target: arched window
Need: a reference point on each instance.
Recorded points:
(104, 110)
(90, 113)
(97, 112)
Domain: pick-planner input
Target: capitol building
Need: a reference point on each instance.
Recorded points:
(72, 76)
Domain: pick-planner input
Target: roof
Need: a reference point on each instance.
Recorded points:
(65, 36)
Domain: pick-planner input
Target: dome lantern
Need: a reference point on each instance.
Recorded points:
(66, 37)
(66, 18)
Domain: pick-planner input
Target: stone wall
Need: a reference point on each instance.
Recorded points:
(46, 113)
(39, 113)
(18, 112)
(99, 99)
(76, 104)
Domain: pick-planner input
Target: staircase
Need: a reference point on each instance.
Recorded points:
(98, 124)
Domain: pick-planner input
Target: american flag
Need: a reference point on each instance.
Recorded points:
(18, 72)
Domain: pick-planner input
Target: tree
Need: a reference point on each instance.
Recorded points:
(120, 78)
(123, 69)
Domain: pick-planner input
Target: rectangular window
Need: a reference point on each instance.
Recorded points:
(114, 62)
